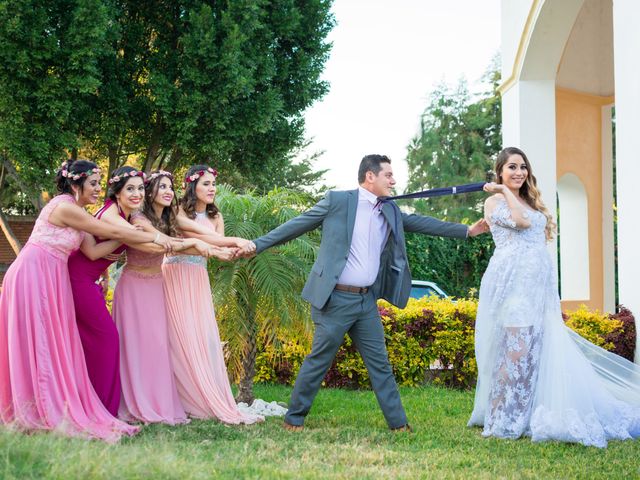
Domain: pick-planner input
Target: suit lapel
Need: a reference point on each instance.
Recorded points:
(352, 206)
(391, 215)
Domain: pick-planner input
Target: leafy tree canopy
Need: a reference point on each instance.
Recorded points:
(457, 141)
(168, 83)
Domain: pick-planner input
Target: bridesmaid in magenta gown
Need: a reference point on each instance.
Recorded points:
(148, 387)
(98, 333)
(196, 350)
(44, 383)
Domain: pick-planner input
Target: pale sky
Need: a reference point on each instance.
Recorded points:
(387, 57)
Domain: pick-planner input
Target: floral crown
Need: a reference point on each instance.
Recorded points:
(159, 173)
(77, 175)
(196, 175)
(131, 174)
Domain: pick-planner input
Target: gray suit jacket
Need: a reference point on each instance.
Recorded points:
(336, 213)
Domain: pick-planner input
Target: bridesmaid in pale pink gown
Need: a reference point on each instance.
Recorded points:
(148, 387)
(196, 351)
(44, 383)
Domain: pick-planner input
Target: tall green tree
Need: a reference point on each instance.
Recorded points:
(219, 82)
(50, 57)
(167, 83)
(256, 296)
(458, 139)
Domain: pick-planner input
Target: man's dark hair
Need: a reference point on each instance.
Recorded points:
(371, 163)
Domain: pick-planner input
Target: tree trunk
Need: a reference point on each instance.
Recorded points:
(36, 200)
(8, 232)
(112, 154)
(153, 150)
(245, 386)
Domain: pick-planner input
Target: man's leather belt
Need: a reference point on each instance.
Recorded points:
(351, 289)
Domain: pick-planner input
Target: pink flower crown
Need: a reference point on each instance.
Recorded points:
(131, 174)
(159, 173)
(196, 175)
(78, 175)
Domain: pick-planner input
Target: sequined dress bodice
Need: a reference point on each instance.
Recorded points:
(507, 237)
(197, 260)
(138, 258)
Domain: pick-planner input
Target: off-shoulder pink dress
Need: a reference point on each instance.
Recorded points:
(44, 384)
(148, 388)
(196, 351)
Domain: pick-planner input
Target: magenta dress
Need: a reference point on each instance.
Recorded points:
(44, 383)
(148, 388)
(98, 333)
(196, 351)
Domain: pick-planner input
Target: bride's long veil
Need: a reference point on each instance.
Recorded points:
(620, 376)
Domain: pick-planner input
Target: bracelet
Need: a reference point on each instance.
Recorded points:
(155, 240)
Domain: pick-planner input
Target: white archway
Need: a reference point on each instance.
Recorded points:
(574, 238)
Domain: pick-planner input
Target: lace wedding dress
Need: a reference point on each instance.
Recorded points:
(536, 377)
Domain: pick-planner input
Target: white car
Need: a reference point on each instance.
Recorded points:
(422, 288)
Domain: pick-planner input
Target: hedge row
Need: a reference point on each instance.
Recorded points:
(432, 340)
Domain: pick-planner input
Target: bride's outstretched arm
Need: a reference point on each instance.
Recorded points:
(519, 216)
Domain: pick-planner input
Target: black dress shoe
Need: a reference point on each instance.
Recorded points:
(403, 428)
(293, 428)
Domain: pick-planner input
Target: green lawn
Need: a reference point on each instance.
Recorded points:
(345, 437)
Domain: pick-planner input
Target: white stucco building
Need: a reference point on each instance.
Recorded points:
(566, 65)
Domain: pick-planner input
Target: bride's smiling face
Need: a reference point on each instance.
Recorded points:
(514, 173)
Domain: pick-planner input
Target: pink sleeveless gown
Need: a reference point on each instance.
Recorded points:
(98, 333)
(44, 383)
(196, 351)
(148, 388)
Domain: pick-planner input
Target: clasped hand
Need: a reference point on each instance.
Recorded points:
(246, 250)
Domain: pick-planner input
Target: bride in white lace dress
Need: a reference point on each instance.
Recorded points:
(536, 377)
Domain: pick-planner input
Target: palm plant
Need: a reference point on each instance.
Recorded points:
(255, 297)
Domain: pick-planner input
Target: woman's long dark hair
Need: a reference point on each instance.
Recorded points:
(189, 199)
(167, 222)
(116, 186)
(74, 168)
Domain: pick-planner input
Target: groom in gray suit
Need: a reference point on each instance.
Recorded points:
(362, 258)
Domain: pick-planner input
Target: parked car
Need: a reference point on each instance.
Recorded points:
(422, 288)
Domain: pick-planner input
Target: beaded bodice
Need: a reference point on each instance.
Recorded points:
(507, 236)
(138, 258)
(202, 219)
(59, 241)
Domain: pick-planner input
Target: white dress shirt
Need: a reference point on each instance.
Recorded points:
(370, 231)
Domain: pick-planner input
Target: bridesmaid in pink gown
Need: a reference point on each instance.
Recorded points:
(196, 351)
(148, 387)
(98, 333)
(44, 383)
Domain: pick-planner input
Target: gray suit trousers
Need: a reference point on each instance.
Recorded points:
(357, 315)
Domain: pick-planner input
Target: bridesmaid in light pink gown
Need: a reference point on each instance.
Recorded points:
(148, 387)
(44, 383)
(196, 351)
(98, 333)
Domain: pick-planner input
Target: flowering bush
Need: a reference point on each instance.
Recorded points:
(421, 339)
(624, 338)
(431, 340)
(593, 325)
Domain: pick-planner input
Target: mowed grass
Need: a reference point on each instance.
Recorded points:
(345, 437)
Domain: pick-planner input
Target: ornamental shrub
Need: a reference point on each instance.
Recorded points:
(431, 340)
(595, 326)
(624, 338)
